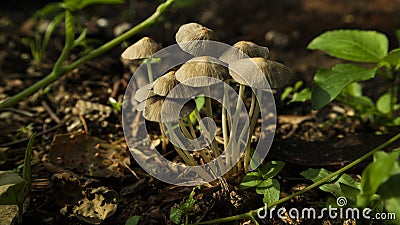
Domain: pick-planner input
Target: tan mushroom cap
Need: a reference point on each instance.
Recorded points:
(154, 106)
(189, 35)
(142, 49)
(164, 84)
(144, 92)
(252, 71)
(244, 49)
(203, 66)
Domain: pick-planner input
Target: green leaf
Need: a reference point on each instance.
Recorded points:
(301, 96)
(133, 220)
(354, 89)
(26, 172)
(250, 180)
(355, 45)
(271, 169)
(383, 104)
(270, 188)
(392, 59)
(176, 215)
(328, 83)
(11, 187)
(335, 186)
(375, 174)
(391, 195)
(286, 92)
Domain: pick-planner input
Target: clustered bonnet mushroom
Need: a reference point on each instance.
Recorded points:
(245, 64)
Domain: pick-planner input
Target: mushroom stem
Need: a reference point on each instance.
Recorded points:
(253, 114)
(224, 121)
(182, 153)
(235, 121)
(207, 100)
(149, 70)
(163, 138)
(193, 136)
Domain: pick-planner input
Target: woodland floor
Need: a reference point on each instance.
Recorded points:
(305, 138)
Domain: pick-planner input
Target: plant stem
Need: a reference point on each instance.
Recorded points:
(235, 124)
(149, 70)
(308, 188)
(253, 115)
(59, 70)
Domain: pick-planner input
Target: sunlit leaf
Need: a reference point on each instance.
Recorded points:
(355, 45)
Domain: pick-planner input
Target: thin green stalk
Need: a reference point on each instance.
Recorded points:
(59, 70)
(308, 188)
(253, 113)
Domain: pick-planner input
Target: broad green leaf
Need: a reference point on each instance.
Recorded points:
(133, 220)
(395, 122)
(354, 89)
(383, 103)
(375, 174)
(391, 195)
(11, 187)
(354, 45)
(301, 96)
(333, 187)
(271, 169)
(270, 188)
(350, 193)
(250, 180)
(328, 83)
(392, 59)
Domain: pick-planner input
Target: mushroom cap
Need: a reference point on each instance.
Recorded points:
(193, 37)
(164, 84)
(144, 92)
(154, 106)
(142, 49)
(253, 71)
(244, 49)
(202, 66)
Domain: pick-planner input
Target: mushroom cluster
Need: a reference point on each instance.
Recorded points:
(245, 65)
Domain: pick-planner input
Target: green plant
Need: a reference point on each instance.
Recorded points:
(60, 67)
(14, 190)
(176, 213)
(115, 104)
(297, 95)
(329, 178)
(340, 82)
(263, 180)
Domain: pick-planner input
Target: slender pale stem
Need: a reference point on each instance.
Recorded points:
(214, 145)
(308, 188)
(253, 113)
(224, 122)
(186, 156)
(59, 70)
(163, 138)
(235, 121)
(193, 136)
(149, 70)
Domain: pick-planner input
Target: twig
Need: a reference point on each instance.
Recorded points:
(50, 112)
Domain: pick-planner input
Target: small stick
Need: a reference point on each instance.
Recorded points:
(50, 112)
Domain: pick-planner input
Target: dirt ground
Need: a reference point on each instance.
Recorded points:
(304, 138)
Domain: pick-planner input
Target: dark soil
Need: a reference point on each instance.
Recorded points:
(304, 138)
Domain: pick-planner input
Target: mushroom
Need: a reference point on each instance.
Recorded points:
(193, 37)
(244, 49)
(152, 112)
(203, 66)
(142, 49)
(252, 72)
